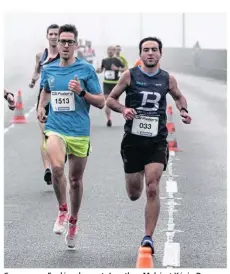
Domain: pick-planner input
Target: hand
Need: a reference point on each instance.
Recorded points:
(32, 84)
(11, 102)
(129, 113)
(41, 115)
(98, 70)
(186, 118)
(113, 67)
(75, 86)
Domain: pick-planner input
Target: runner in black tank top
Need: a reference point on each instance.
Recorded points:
(48, 56)
(144, 147)
(45, 61)
(112, 67)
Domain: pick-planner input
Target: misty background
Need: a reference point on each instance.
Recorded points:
(25, 32)
(198, 219)
(25, 35)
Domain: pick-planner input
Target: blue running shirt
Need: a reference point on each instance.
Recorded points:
(71, 117)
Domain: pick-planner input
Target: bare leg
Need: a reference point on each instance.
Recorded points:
(153, 174)
(134, 184)
(107, 110)
(45, 157)
(56, 150)
(76, 170)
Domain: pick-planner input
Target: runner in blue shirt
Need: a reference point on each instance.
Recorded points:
(71, 85)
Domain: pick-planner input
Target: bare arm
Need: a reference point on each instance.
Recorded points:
(10, 99)
(5, 92)
(37, 70)
(176, 94)
(112, 100)
(100, 70)
(8, 95)
(44, 98)
(179, 99)
(122, 69)
(96, 100)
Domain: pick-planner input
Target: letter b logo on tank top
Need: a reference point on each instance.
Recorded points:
(150, 101)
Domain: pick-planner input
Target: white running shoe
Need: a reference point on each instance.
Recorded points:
(71, 235)
(61, 222)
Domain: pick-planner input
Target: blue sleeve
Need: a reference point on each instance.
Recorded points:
(93, 84)
(45, 81)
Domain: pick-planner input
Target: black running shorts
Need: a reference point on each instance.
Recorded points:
(107, 88)
(138, 151)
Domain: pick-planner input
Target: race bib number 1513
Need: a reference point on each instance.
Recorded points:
(63, 101)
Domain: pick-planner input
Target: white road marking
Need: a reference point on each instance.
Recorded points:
(171, 256)
(26, 115)
(8, 128)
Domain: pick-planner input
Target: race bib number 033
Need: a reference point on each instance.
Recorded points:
(145, 126)
(63, 101)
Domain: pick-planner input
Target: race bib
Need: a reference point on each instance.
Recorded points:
(110, 74)
(89, 58)
(145, 126)
(63, 101)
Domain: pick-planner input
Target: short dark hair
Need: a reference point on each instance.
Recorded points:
(53, 26)
(69, 28)
(151, 39)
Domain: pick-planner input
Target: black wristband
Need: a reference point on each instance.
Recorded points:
(82, 94)
(184, 109)
(5, 96)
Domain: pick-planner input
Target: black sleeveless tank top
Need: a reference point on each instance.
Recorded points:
(147, 95)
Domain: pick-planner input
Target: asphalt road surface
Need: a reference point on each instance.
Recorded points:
(191, 231)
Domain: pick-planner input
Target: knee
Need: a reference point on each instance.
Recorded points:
(134, 197)
(58, 171)
(134, 194)
(75, 182)
(152, 189)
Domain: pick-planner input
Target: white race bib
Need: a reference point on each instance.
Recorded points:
(110, 74)
(63, 101)
(145, 126)
(89, 58)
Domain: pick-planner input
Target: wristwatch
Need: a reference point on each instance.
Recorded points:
(184, 110)
(83, 93)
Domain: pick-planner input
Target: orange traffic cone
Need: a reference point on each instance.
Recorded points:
(19, 117)
(172, 142)
(170, 123)
(144, 258)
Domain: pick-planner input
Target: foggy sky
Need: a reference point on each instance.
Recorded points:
(123, 28)
(25, 33)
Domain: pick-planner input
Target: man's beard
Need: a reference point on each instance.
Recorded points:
(150, 65)
(65, 58)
